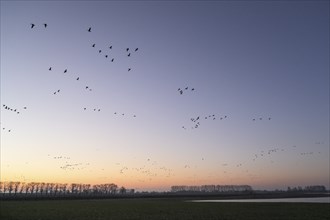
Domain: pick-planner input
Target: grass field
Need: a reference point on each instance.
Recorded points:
(158, 209)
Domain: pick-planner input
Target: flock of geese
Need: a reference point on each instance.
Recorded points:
(150, 169)
(15, 110)
(186, 89)
(129, 52)
(196, 121)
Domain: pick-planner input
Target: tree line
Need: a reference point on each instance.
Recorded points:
(313, 188)
(16, 188)
(212, 188)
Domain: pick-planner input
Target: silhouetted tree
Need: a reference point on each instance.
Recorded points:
(122, 190)
(16, 186)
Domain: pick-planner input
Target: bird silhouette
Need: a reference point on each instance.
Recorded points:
(129, 69)
(129, 54)
(45, 25)
(89, 29)
(78, 78)
(106, 56)
(100, 51)
(50, 68)
(136, 49)
(127, 49)
(65, 70)
(93, 45)
(32, 25)
(112, 59)
(110, 47)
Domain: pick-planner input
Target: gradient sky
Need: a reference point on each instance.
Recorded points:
(245, 60)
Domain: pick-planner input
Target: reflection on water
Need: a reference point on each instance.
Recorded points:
(304, 200)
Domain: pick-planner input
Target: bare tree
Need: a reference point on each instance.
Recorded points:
(122, 190)
(16, 186)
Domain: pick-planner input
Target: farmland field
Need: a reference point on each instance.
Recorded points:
(158, 209)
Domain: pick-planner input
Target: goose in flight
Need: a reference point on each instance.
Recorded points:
(32, 25)
(100, 51)
(93, 45)
(129, 54)
(106, 56)
(45, 25)
(127, 49)
(136, 49)
(78, 78)
(65, 70)
(50, 69)
(89, 29)
(112, 59)
(129, 69)
(110, 47)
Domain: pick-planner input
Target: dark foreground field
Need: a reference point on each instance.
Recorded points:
(158, 209)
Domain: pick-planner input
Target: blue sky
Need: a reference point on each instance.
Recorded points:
(245, 60)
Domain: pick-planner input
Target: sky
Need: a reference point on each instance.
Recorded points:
(254, 78)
